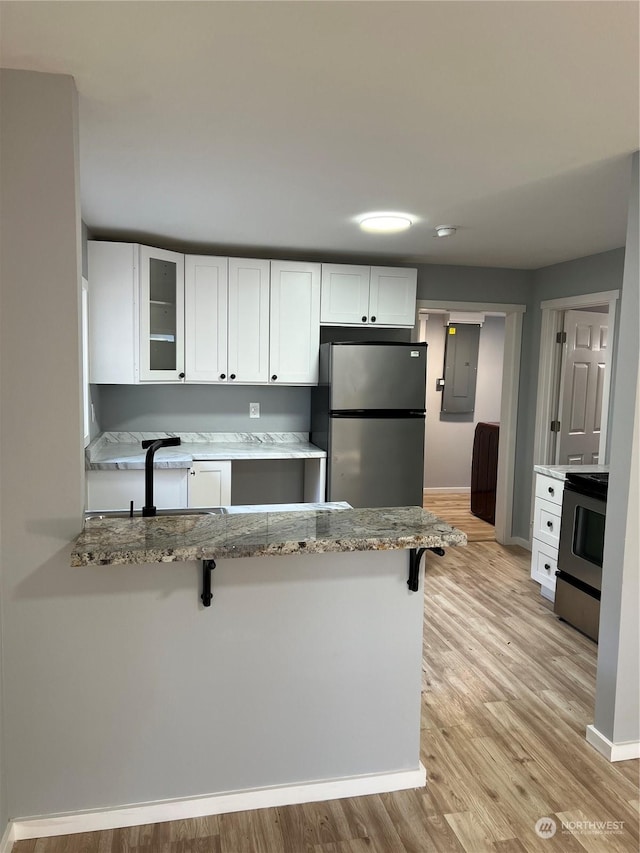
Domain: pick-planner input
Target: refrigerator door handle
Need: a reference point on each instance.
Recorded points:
(392, 414)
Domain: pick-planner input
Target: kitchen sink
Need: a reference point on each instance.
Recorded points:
(137, 513)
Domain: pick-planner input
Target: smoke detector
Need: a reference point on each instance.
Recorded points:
(445, 230)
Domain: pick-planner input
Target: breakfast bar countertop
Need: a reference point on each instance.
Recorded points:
(184, 538)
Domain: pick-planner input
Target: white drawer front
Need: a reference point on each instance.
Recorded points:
(546, 522)
(549, 489)
(544, 562)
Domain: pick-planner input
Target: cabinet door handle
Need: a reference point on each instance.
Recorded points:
(547, 566)
(223, 376)
(373, 319)
(274, 377)
(551, 490)
(182, 376)
(364, 319)
(192, 472)
(232, 376)
(549, 523)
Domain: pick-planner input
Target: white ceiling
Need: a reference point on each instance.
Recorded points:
(272, 125)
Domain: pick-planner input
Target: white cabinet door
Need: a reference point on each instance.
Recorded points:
(210, 484)
(115, 489)
(161, 315)
(344, 295)
(248, 320)
(392, 296)
(294, 323)
(205, 298)
(113, 313)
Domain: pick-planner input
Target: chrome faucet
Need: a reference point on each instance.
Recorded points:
(151, 445)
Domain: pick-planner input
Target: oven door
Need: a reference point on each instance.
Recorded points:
(582, 537)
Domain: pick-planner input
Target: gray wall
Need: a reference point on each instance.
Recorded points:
(47, 717)
(617, 712)
(474, 284)
(449, 438)
(586, 275)
(202, 408)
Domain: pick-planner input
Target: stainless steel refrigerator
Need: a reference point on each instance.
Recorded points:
(368, 413)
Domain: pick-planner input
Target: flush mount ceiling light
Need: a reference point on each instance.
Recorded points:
(385, 223)
(445, 230)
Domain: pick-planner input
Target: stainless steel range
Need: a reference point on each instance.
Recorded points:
(579, 575)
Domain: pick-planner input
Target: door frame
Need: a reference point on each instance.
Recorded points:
(550, 364)
(513, 314)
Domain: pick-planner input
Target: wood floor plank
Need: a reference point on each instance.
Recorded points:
(470, 832)
(418, 824)
(455, 509)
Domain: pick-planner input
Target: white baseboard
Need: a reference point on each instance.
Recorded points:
(8, 837)
(448, 490)
(236, 801)
(518, 540)
(612, 751)
(548, 592)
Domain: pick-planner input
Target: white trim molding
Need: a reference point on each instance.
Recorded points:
(520, 541)
(513, 314)
(443, 306)
(549, 366)
(447, 490)
(235, 801)
(612, 751)
(8, 837)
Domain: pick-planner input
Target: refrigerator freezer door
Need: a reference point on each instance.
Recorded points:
(378, 376)
(376, 461)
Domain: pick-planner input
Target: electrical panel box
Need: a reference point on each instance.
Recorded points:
(460, 368)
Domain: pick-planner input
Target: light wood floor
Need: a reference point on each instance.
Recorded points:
(455, 510)
(508, 691)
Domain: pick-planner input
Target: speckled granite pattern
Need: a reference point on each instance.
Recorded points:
(559, 472)
(122, 450)
(197, 537)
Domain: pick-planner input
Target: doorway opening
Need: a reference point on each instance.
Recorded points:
(461, 440)
(577, 342)
(504, 400)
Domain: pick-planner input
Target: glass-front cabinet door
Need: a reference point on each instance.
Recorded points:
(161, 315)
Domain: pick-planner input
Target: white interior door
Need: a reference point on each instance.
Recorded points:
(581, 387)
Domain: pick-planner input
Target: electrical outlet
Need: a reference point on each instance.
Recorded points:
(254, 410)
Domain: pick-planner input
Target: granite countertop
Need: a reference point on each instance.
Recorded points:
(559, 472)
(122, 450)
(202, 537)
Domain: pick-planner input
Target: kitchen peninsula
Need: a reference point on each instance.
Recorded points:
(303, 677)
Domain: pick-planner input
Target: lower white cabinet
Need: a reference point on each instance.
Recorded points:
(210, 484)
(116, 489)
(547, 512)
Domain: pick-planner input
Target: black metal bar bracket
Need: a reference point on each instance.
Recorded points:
(207, 567)
(415, 555)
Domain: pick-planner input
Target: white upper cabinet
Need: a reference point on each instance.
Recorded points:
(294, 339)
(206, 304)
(161, 315)
(345, 295)
(392, 296)
(136, 314)
(368, 296)
(113, 313)
(248, 328)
